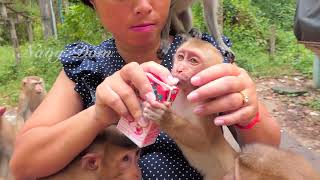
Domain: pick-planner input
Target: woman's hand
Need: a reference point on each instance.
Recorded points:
(223, 88)
(117, 95)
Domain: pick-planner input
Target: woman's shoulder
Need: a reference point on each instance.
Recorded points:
(81, 57)
(88, 65)
(78, 51)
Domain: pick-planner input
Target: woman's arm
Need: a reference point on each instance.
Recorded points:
(55, 133)
(266, 131)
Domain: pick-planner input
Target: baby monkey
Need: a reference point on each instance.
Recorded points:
(200, 140)
(203, 143)
(111, 156)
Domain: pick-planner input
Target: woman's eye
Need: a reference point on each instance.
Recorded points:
(125, 158)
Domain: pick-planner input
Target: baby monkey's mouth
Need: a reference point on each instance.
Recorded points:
(181, 78)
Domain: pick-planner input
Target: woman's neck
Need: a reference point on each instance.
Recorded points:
(139, 54)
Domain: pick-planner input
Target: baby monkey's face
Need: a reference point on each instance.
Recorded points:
(187, 62)
(190, 59)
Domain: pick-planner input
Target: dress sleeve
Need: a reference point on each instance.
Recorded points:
(80, 65)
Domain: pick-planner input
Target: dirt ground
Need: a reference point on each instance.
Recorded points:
(296, 118)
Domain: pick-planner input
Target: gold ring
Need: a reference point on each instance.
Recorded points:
(245, 98)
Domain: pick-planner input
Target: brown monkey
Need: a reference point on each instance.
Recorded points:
(31, 95)
(200, 140)
(262, 162)
(180, 21)
(111, 156)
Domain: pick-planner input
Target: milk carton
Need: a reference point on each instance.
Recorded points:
(147, 134)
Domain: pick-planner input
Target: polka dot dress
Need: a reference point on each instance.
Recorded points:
(89, 65)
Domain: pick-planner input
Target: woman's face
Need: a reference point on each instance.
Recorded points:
(133, 22)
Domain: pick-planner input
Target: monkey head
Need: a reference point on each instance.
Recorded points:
(193, 56)
(112, 157)
(33, 84)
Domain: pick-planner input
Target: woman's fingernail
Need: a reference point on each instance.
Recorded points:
(195, 80)
(192, 96)
(129, 118)
(198, 109)
(151, 96)
(173, 80)
(219, 122)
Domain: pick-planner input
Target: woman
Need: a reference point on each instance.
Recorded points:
(93, 92)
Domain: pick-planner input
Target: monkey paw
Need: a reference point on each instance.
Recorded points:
(155, 111)
(196, 33)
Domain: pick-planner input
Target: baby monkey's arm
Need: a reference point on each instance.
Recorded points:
(171, 123)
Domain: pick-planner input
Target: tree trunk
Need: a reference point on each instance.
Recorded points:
(272, 41)
(47, 18)
(3, 11)
(30, 33)
(15, 42)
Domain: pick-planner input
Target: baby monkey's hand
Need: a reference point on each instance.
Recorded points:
(156, 111)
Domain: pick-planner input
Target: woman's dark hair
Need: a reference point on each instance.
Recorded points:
(88, 3)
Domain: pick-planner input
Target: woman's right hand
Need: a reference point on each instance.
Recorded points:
(116, 96)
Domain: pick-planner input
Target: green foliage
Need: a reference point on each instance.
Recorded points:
(81, 23)
(197, 12)
(248, 24)
(315, 104)
(279, 12)
(40, 58)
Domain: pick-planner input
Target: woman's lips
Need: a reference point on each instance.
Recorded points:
(143, 27)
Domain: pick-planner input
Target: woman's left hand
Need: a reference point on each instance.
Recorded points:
(227, 89)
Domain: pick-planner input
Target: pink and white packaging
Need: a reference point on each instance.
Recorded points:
(146, 135)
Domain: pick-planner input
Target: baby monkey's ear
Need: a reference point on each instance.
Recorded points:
(91, 161)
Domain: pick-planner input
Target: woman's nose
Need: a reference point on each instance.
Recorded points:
(143, 7)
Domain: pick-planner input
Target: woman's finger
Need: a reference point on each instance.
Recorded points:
(214, 72)
(236, 117)
(134, 74)
(128, 97)
(222, 86)
(225, 103)
(107, 98)
(162, 72)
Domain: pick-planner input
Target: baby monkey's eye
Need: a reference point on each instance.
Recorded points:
(180, 57)
(193, 61)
